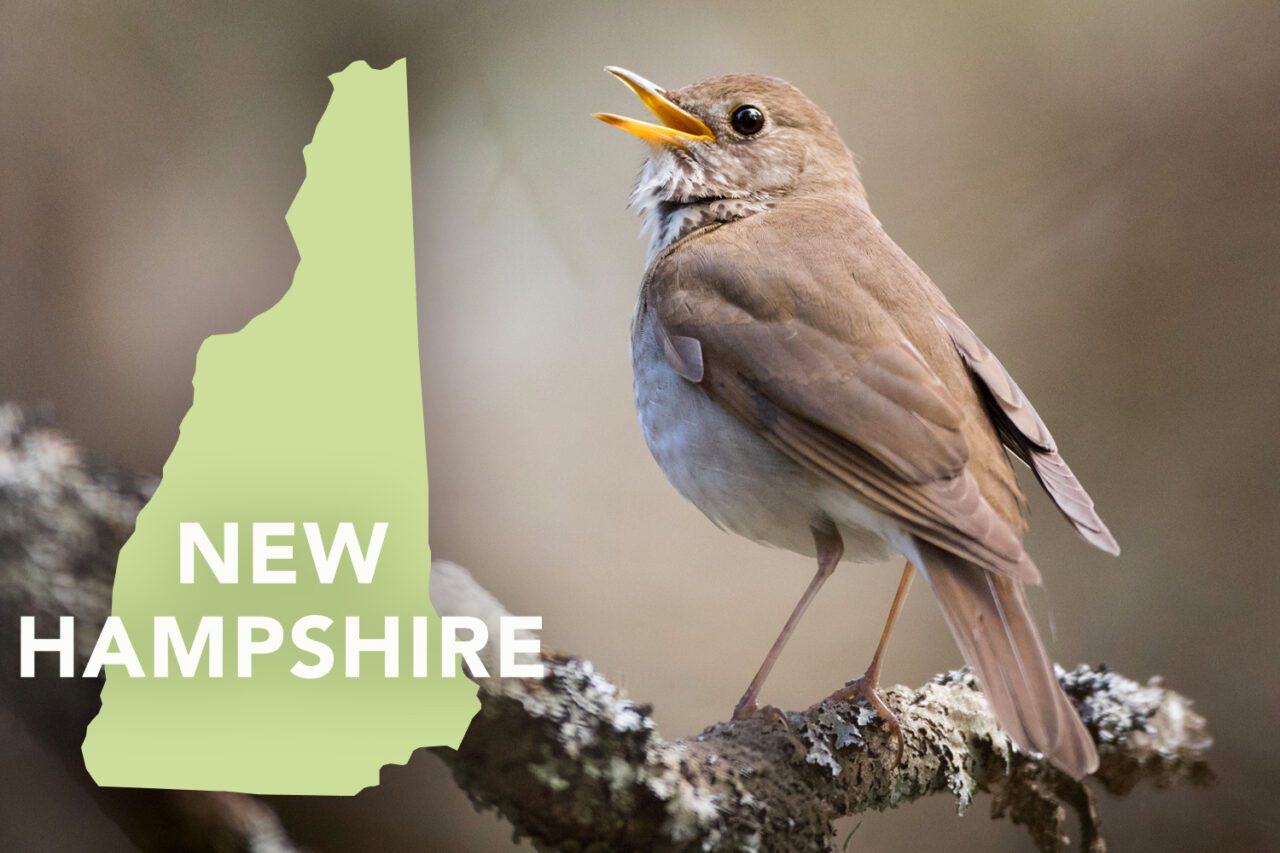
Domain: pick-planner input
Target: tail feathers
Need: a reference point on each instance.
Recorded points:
(992, 624)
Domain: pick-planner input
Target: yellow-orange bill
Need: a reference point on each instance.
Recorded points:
(679, 126)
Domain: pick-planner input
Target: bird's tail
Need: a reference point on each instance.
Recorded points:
(992, 624)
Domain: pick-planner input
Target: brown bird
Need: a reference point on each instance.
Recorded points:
(804, 384)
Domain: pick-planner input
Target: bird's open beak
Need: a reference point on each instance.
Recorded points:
(679, 126)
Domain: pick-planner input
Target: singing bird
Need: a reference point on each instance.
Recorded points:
(806, 385)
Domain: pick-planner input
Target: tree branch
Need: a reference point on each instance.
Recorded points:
(571, 762)
(575, 765)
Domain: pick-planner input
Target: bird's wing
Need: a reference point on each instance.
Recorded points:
(1026, 435)
(864, 410)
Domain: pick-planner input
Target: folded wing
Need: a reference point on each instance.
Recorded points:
(866, 411)
(1026, 435)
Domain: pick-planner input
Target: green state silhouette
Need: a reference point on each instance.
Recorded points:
(311, 413)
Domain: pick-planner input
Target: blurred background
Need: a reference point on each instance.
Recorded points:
(1096, 186)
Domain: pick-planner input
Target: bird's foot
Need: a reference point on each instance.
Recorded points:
(865, 687)
(748, 709)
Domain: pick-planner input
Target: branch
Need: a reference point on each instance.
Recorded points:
(575, 765)
(572, 763)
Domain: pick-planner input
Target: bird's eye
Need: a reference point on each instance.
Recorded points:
(747, 120)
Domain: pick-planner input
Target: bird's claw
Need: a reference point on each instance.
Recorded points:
(748, 710)
(865, 688)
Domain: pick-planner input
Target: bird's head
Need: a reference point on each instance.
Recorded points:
(728, 147)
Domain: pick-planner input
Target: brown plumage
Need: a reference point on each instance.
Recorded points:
(797, 375)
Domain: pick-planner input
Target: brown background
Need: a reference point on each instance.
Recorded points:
(1096, 186)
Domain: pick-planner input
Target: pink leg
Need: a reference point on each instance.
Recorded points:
(865, 686)
(830, 550)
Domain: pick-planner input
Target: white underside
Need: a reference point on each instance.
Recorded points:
(737, 478)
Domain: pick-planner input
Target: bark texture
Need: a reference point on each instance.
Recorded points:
(570, 761)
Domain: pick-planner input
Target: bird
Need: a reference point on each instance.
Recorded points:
(806, 385)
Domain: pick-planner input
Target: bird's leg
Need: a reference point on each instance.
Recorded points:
(866, 684)
(830, 550)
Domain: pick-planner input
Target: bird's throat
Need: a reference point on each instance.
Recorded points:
(668, 221)
(675, 196)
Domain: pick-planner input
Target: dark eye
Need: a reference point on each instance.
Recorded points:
(747, 120)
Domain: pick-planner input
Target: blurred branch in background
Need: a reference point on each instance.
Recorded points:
(61, 527)
(567, 759)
